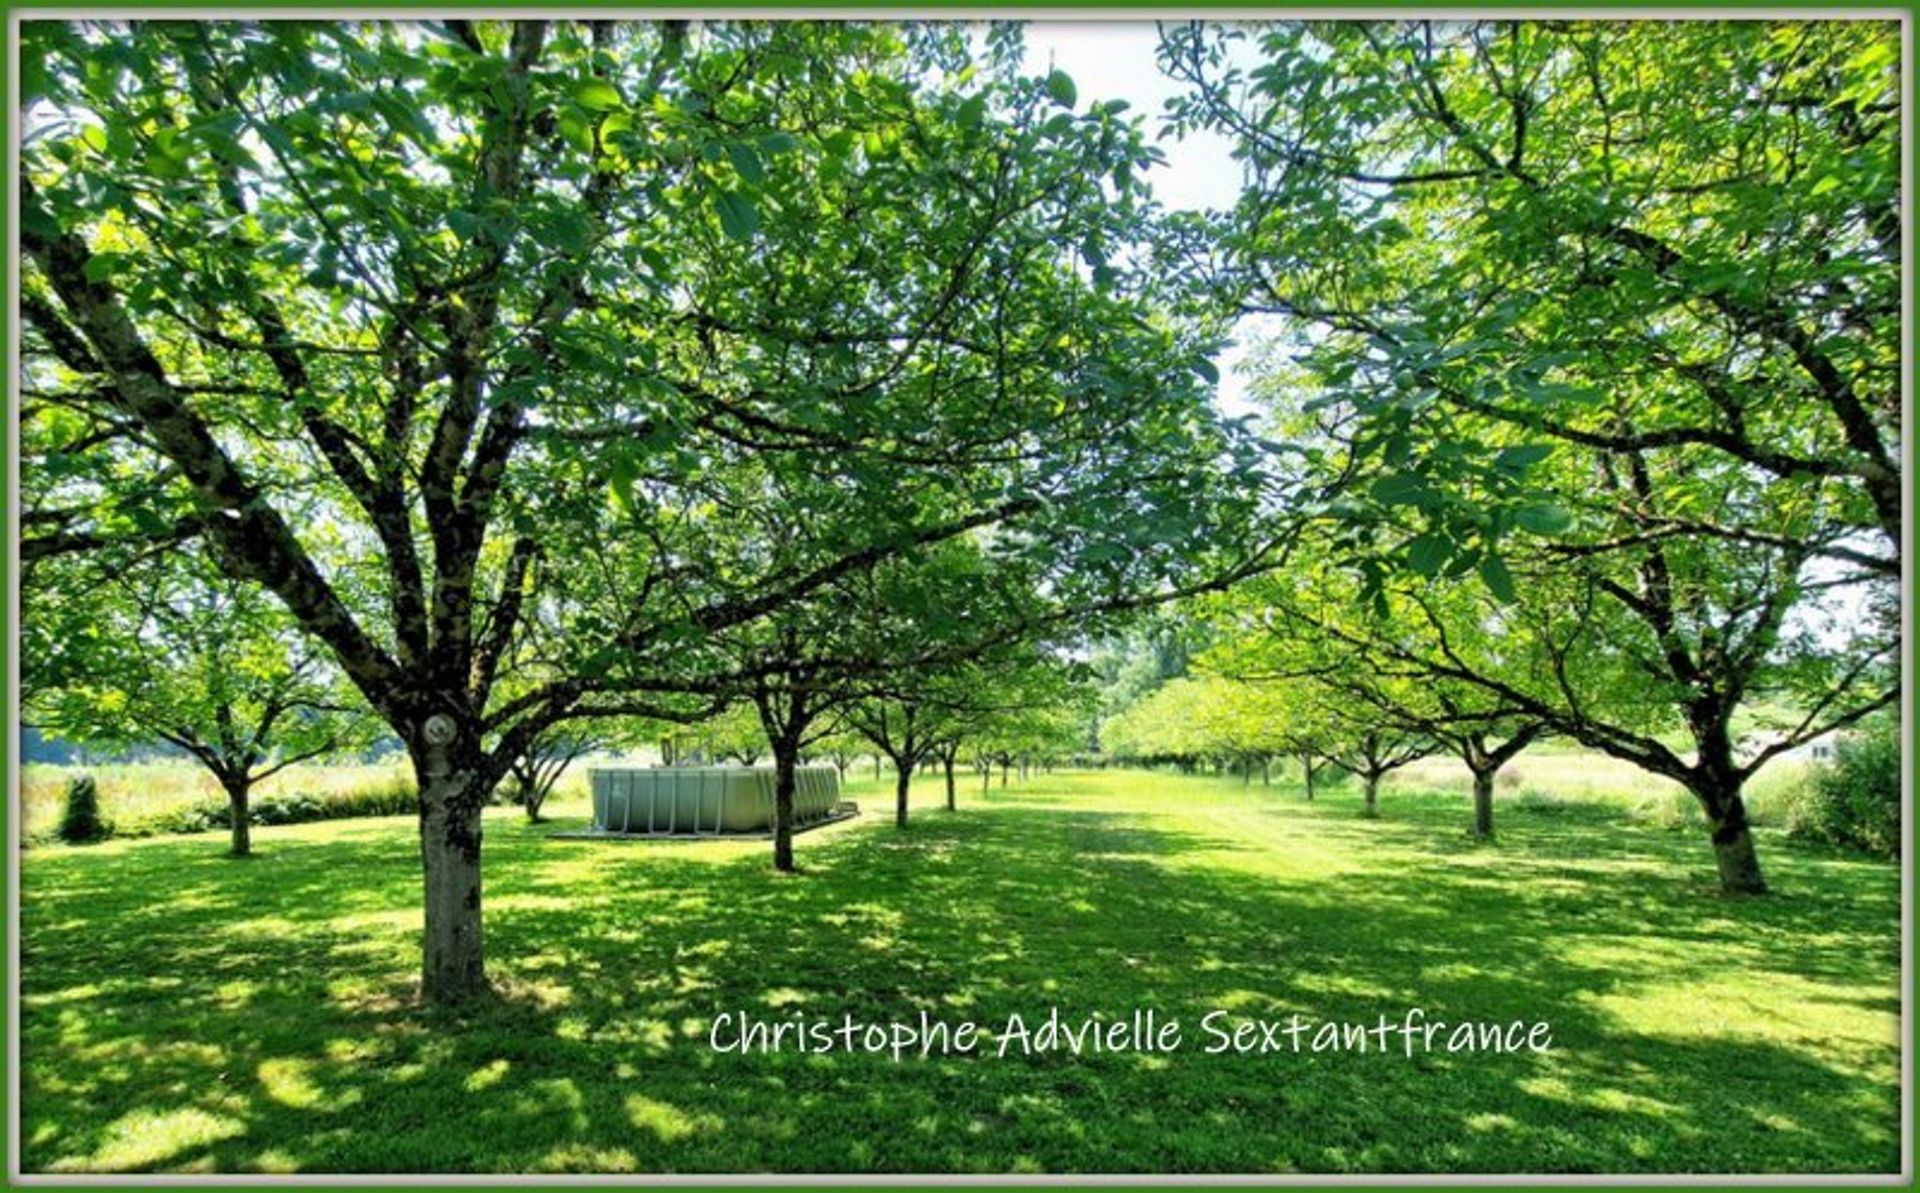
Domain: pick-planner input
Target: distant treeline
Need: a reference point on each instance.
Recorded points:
(47, 750)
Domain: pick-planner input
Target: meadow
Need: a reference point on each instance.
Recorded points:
(186, 1012)
(137, 797)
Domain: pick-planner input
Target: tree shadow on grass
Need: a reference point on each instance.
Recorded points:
(184, 1014)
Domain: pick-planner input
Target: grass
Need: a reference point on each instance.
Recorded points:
(136, 795)
(1558, 774)
(185, 1012)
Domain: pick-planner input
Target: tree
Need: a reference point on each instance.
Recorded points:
(900, 725)
(737, 733)
(1373, 750)
(1163, 726)
(174, 651)
(793, 694)
(1702, 219)
(480, 291)
(944, 634)
(539, 769)
(840, 747)
(1612, 329)
(1345, 666)
(1305, 726)
(1031, 705)
(976, 703)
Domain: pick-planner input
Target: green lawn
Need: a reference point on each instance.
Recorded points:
(183, 1011)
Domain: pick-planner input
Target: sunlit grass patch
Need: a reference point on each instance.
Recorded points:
(183, 1012)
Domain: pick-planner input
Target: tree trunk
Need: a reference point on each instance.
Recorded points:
(1739, 864)
(903, 772)
(1372, 791)
(452, 794)
(1306, 765)
(1004, 767)
(1483, 801)
(1716, 783)
(951, 803)
(1246, 772)
(1733, 850)
(1266, 772)
(785, 756)
(876, 766)
(238, 814)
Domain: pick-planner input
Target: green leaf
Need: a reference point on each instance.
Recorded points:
(577, 132)
(1429, 553)
(1060, 87)
(102, 266)
(738, 218)
(747, 162)
(1522, 456)
(777, 143)
(1402, 488)
(570, 230)
(625, 472)
(597, 95)
(1498, 579)
(973, 111)
(1209, 372)
(35, 79)
(1544, 518)
(167, 141)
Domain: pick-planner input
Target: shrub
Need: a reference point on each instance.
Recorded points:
(388, 799)
(1671, 808)
(81, 821)
(395, 798)
(1779, 796)
(1332, 778)
(1855, 800)
(197, 818)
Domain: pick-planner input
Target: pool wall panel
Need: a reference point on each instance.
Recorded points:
(704, 799)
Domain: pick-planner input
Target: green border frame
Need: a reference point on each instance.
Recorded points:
(1091, 10)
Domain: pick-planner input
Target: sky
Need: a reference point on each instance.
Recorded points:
(1115, 60)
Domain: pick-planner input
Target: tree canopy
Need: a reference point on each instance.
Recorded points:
(395, 319)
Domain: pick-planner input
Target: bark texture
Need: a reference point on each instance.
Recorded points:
(238, 813)
(453, 791)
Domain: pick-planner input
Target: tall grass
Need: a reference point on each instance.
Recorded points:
(1559, 773)
(144, 798)
(1561, 776)
(148, 797)
(139, 798)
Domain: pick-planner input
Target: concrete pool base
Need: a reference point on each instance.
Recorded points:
(591, 834)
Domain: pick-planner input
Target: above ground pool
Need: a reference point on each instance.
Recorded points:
(704, 800)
